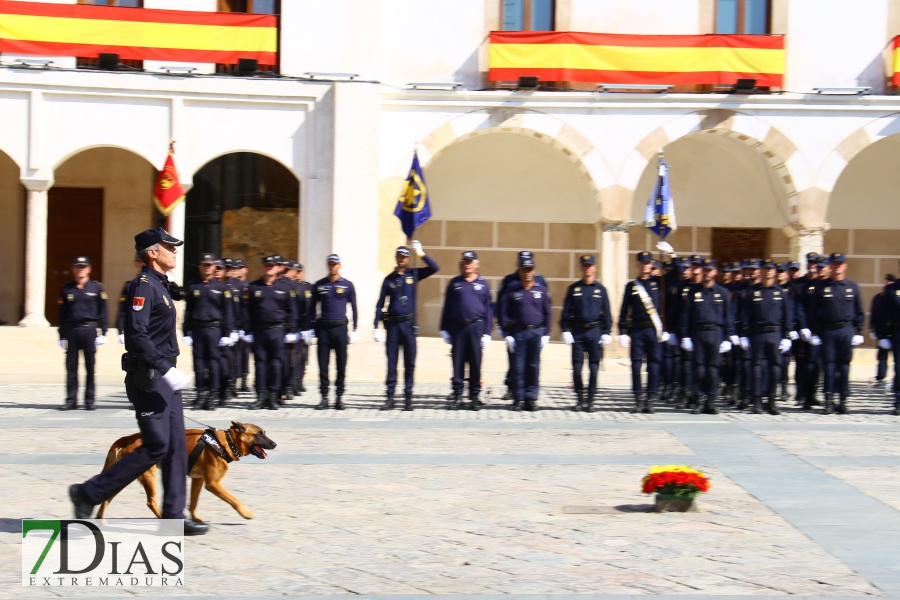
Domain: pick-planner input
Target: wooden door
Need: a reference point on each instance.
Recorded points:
(74, 228)
(736, 244)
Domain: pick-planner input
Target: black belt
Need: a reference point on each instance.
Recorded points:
(523, 327)
(269, 326)
(585, 324)
(470, 322)
(83, 324)
(331, 322)
(206, 324)
(706, 327)
(765, 328)
(641, 324)
(837, 324)
(131, 363)
(397, 318)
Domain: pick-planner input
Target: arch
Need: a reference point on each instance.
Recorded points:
(69, 155)
(220, 153)
(12, 237)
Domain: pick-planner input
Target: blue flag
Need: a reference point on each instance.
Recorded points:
(412, 206)
(659, 216)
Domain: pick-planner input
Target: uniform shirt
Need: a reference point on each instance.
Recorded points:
(765, 306)
(878, 314)
(123, 306)
(237, 293)
(633, 309)
(401, 290)
(706, 306)
(467, 301)
(586, 303)
(836, 302)
(208, 301)
(509, 280)
(79, 306)
(332, 298)
(524, 307)
(673, 303)
(266, 305)
(150, 320)
(892, 305)
(304, 304)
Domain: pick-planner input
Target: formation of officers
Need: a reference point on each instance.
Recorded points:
(706, 335)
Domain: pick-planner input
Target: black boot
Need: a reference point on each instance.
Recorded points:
(209, 400)
(648, 404)
(829, 405)
(589, 407)
(273, 400)
(338, 403)
(323, 404)
(407, 402)
(710, 407)
(842, 407)
(757, 405)
(198, 399)
(784, 393)
(474, 403)
(287, 393)
(244, 387)
(638, 404)
(388, 404)
(773, 406)
(530, 405)
(699, 408)
(260, 401)
(231, 388)
(453, 402)
(728, 394)
(742, 399)
(579, 402)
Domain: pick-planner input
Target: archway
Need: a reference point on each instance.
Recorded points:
(12, 240)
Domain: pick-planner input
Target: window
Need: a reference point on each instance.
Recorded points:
(256, 7)
(93, 63)
(527, 15)
(742, 16)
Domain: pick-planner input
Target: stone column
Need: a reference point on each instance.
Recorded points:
(805, 239)
(36, 252)
(614, 261)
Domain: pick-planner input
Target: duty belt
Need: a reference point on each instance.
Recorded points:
(837, 324)
(83, 324)
(131, 363)
(206, 324)
(270, 325)
(470, 322)
(523, 327)
(706, 327)
(641, 324)
(584, 324)
(397, 318)
(765, 328)
(331, 322)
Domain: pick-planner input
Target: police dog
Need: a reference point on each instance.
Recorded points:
(209, 468)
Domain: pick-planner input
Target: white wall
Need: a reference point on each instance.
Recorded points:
(652, 17)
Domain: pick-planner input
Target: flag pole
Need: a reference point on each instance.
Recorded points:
(664, 288)
(415, 270)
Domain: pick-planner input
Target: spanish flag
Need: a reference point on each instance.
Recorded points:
(894, 62)
(168, 193)
(636, 59)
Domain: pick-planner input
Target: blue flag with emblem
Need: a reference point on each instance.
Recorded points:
(412, 206)
(659, 216)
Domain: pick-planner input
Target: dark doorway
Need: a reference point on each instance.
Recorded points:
(736, 244)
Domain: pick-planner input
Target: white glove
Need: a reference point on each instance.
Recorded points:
(234, 337)
(176, 380)
(745, 343)
(815, 341)
(873, 337)
(354, 337)
(417, 248)
(188, 340)
(545, 339)
(605, 339)
(63, 344)
(511, 343)
(224, 341)
(485, 341)
(672, 339)
(784, 345)
(307, 336)
(446, 336)
(793, 335)
(568, 338)
(379, 336)
(247, 337)
(665, 337)
(99, 340)
(724, 347)
(290, 338)
(624, 341)
(806, 335)
(885, 344)
(735, 340)
(687, 344)
(121, 338)
(241, 333)
(665, 247)
(856, 340)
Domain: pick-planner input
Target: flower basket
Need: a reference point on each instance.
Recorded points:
(675, 487)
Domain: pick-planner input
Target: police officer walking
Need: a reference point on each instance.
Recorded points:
(331, 295)
(586, 322)
(82, 311)
(153, 385)
(641, 329)
(525, 319)
(400, 289)
(466, 322)
(208, 323)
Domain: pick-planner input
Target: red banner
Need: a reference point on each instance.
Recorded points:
(168, 193)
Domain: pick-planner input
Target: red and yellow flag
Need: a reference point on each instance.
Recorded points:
(894, 62)
(168, 193)
(136, 33)
(636, 59)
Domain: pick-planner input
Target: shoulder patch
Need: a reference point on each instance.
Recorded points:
(137, 304)
(104, 296)
(227, 294)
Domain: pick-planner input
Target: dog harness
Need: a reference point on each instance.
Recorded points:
(208, 438)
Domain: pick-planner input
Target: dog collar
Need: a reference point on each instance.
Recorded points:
(232, 445)
(207, 438)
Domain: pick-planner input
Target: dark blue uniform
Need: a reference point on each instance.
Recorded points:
(501, 291)
(636, 322)
(878, 319)
(208, 317)
(525, 315)
(233, 352)
(891, 329)
(836, 315)
(809, 357)
(706, 319)
(586, 315)
(269, 315)
(765, 318)
(331, 299)
(467, 315)
(400, 291)
(82, 311)
(304, 295)
(123, 308)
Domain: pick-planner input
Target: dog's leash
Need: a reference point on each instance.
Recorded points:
(205, 426)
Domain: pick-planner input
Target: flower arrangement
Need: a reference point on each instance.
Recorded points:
(677, 481)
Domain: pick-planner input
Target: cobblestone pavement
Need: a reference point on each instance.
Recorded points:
(496, 503)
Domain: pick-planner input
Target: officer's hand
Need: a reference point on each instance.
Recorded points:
(224, 341)
(687, 344)
(806, 335)
(665, 247)
(176, 380)
(446, 336)
(673, 339)
(378, 336)
(885, 344)
(856, 340)
(234, 337)
(793, 335)
(417, 248)
(63, 344)
(121, 338)
(568, 338)
(784, 345)
(511, 343)
(248, 337)
(605, 339)
(735, 340)
(545, 339)
(624, 341)
(290, 338)
(724, 347)
(664, 337)
(188, 340)
(353, 337)
(307, 336)
(872, 336)
(745, 343)
(485, 341)
(815, 341)
(99, 340)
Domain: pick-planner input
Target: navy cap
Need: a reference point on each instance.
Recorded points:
(402, 251)
(644, 257)
(207, 258)
(147, 238)
(792, 264)
(81, 261)
(710, 263)
(695, 259)
(298, 266)
(731, 267)
(526, 262)
(290, 265)
(229, 263)
(837, 257)
(526, 254)
(812, 257)
(469, 255)
(220, 264)
(823, 262)
(239, 263)
(890, 277)
(270, 260)
(333, 258)
(587, 259)
(277, 259)
(780, 267)
(769, 264)
(754, 263)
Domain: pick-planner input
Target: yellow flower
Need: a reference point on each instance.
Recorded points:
(674, 468)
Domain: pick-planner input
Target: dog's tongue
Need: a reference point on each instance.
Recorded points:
(261, 451)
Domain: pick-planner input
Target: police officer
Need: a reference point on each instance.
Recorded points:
(673, 279)
(586, 323)
(331, 295)
(400, 289)
(240, 267)
(153, 385)
(525, 319)
(891, 339)
(706, 325)
(689, 397)
(836, 320)
(304, 292)
(807, 355)
(641, 330)
(208, 323)
(269, 317)
(82, 311)
(286, 278)
(233, 350)
(878, 319)
(466, 322)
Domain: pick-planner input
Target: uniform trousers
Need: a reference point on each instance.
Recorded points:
(586, 341)
(837, 352)
(895, 349)
(671, 357)
(527, 357)
(881, 369)
(687, 372)
(766, 363)
(80, 339)
(332, 338)
(207, 357)
(400, 335)
(645, 343)
(807, 370)
(707, 361)
(301, 358)
(466, 349)
(268, 357)
(161, 420)
(290, 364)
(245, 359)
